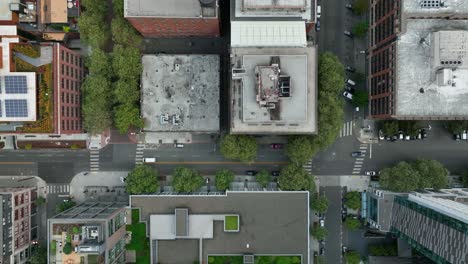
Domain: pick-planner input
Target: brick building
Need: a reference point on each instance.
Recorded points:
(16, 209)
(68, 69)
(413, 55)
(176, 18)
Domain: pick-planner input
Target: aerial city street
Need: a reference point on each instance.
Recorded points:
(233, 131)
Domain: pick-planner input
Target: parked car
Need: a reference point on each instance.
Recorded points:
(322, 242)
(322, 251)
(350, 69)
(463, 135)
(350, 82)
(322, 222)
(344, 249)
(381, 135)
(400, 135)
(407, 137)
(123, 179)
(317, 25)
(319, 12)
(348, 95)
(371, 173)
(178, 145)
(349, 6)
(423, 133)
(350, 89)
(276, 146)
(357, 154)
(275, 173)
(347, 33)
(149, 160)
(251, 172)
(456, 136)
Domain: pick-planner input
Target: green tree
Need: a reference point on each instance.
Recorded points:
(65, 205)
(126, 91)
(94, 6)
(40, 201)
(383, 250)
(432, 174)
(186, 180)
(96, 107)
(319, 260)
(300, 149)
(409, 127)
(142, 179)
(224, 178)
(353, 200)
(360, 98)
(118, 6)
(390, 128)
(239, 147)
(457, 126)
(98, 63)
(93, 30)
(124, 33)
(359, 77)
(352, 223)
(319, 203)
(464, 179)
(67, 248)
(38, 255)
(400, 178)
(126, 62)
(318, 232)
(295, 178)
(352, 257)
(360, 29)
(127, 116)
(263, 178)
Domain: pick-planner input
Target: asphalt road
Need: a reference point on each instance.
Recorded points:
(333, 224)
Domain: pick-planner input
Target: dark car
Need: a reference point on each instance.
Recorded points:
(350, 69)
(350, 89)
(423, 133)
(347, 33)
(317, 25)
(456, 136)
(322, 251)
(357, 154)
(275, 173)
(276, 146)
(251, 172)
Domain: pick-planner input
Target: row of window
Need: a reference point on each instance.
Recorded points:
(70, 98)
(70, 111)
(382, 8)
(71, 71)
(21, 199)
(383, 30)
(71, 125)
(70, 85)
(381, 106)
(71, 58)
(382, 83)
(382, 60)
(21, 213)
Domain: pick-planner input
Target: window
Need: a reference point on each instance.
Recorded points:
(63, 66)
(62, 96)
(63, 83)
(68, 83)
(63, 55)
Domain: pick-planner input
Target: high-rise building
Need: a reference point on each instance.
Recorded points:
(93, 232)
(175, 18)
(418, 63)
(16, 208)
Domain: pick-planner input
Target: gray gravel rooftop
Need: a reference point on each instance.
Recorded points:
(168, 8)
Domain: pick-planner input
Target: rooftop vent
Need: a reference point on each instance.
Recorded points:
(431, 3)
(421, 90)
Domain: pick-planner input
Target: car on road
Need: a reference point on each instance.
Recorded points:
(423, 133)
(350, 69)
(276, 146)
(344, 249)
(322, 242)
(149, 160)
(348, 95)
(318, 12)
(251, 172)
(178, 145)
(322, 251)
(381, 135)
(371, 173)
(350, 82)
(400, 135)
(350, 89)
(464, 135)
(275, 173)
(456, 136)
(407, 137)
(357, 154)
(349, 6)
(123, 179)
(317, 25)
(347, 33)
(322, 222)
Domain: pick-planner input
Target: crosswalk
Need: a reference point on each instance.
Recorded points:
(139, 153)
(359, 161)
(347, 129)
(308, 166)
(58, 188)
(94, 160)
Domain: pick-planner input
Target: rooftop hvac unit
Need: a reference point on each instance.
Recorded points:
(94, 233)
(164, 119)
(175, 120)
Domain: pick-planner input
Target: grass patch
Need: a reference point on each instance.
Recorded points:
(231, 222)
(93, 259)
(23, 66)
(225, 260)
(139, 242)
(277, 260)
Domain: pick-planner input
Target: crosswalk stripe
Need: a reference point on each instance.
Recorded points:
(360, 159)
(357, 165)
(358, 162)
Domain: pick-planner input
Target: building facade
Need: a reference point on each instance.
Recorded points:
(181, 18)
(95, 231)
(16, 209)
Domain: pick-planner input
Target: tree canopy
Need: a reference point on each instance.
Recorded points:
(352, 257)
(360, 98)
(142, 179)
(38, 255)
(186, 180)
(318, 232)
(239, 147)
(295, 178)
(319, 203)
(360, 29)
(406, 177)
(300, 149)
(352, 223)
(457, 126)
(223, 179)
(65, 205)
(390, 128)
(263, 178)
(383, 250)
(353, 200)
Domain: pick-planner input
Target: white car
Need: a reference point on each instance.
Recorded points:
(348, 95)
(371, 173)
(464, 134)
(322, 222)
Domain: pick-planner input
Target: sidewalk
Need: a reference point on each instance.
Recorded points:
(353, 182)
(109, 179)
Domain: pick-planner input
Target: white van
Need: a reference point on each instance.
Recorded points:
(178, 145)
(319, 12)
(350, 82)
(464, 135)
(149, 160)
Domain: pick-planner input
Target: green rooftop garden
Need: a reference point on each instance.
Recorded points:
(231, 223)
(225, 260)
(139, 242)
(257, 259)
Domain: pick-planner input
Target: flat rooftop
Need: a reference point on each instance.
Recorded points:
(293, 114)
(270, 222)
(172, 8)
(434, 7)
(432, 69)
(180, 93)
(283, 9)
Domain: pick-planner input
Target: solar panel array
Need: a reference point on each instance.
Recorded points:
(16, 108)
(16, 85)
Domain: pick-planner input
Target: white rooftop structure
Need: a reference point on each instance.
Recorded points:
(445, 206)
(5, 12)
(451, 8)
(17, 89)
(172, 8)
(199, 225)
(268, 34)
(293, 9)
